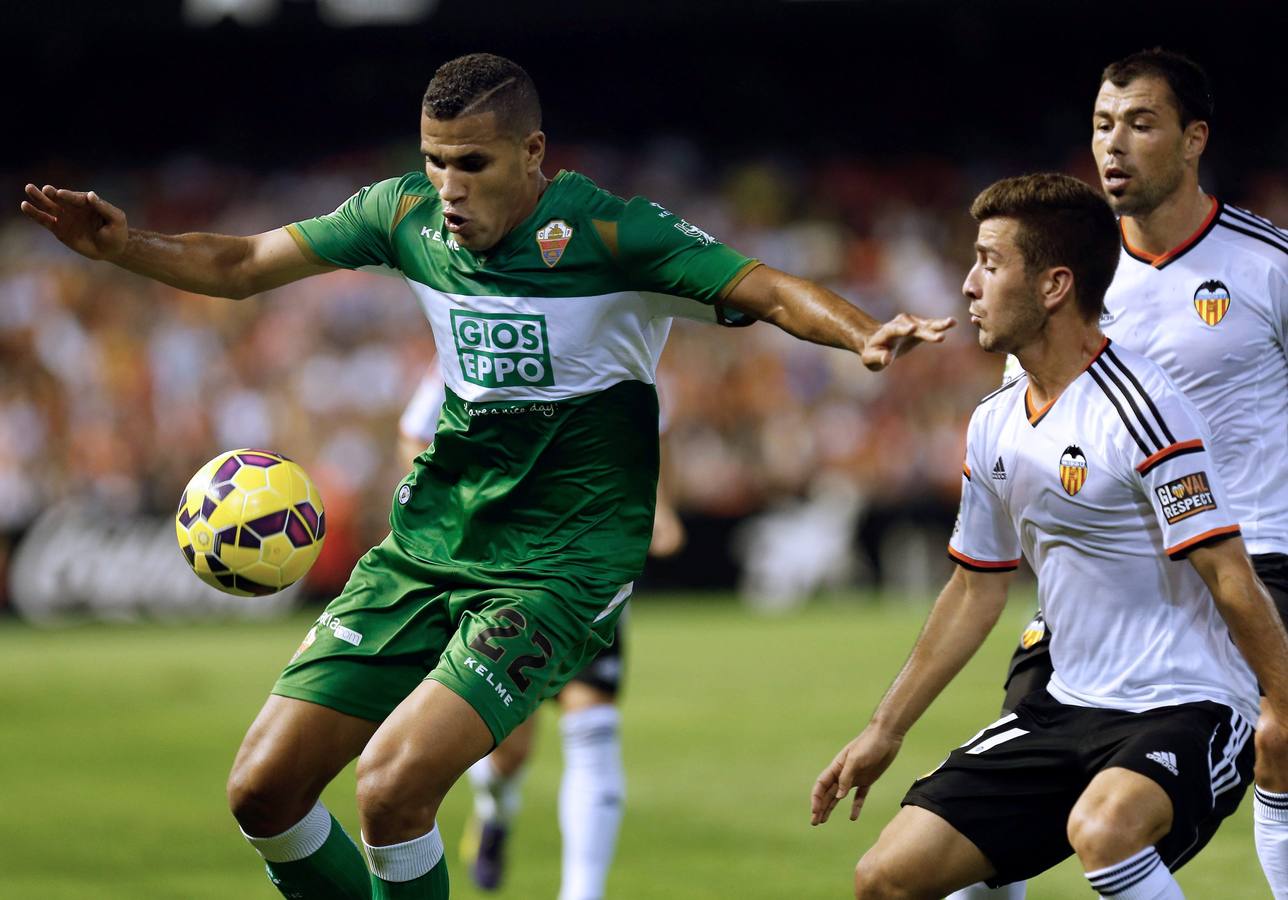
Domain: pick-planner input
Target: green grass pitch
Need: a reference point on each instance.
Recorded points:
(116, 741)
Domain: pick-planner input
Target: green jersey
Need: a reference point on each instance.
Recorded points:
(546, 456)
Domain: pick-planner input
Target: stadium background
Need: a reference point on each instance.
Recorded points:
(838, 140)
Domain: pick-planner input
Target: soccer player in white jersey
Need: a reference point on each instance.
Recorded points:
(1096, 469)
(1202, 290)
(592, 792)
(513, 546)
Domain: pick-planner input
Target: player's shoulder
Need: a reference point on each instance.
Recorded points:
(390, 200)
(1002, 396)
(410, 183)
(578, 195)
(1128, 377)
(995, 406)
(1137, 395)
(1247, 234)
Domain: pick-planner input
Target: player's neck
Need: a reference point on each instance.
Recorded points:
(537, 190)
(1169, 224)
(1058, 357)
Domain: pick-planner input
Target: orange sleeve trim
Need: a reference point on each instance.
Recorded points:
(1185, 546)
(981, 565)
(966, 469)
(1178, 449)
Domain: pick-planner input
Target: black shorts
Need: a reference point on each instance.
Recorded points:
(604, 672)
(1010, 788)
(1030, 666)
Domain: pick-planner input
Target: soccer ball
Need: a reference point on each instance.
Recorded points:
(250, 522)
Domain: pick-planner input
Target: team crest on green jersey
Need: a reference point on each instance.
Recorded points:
(500, 350)
(553, 238)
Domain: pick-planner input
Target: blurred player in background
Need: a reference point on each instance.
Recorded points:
(592, 794)
(1095, 468)
(515, 542)
(1202, 290)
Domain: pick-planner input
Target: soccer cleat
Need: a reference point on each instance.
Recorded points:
(488, 864)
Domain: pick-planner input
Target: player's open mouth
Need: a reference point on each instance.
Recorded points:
(454, 222)
(1115, 179)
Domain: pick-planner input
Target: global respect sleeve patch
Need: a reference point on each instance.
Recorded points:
(1187, 496)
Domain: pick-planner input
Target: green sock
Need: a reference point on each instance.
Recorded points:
(334, 871)
(412, 870)
(433, 885)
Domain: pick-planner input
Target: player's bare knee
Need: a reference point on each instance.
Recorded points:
(262, 804)
(1108, 831)
(1272, 759)
(395, 799)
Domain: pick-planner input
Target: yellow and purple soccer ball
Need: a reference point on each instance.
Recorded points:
(250, 522)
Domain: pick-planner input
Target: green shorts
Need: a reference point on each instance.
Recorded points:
(502, 647)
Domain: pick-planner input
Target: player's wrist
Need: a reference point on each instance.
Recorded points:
(888, 728)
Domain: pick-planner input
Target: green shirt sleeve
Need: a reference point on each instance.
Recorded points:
(357, 234)
(663, 253)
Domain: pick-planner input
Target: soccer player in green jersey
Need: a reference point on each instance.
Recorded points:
(514, 539)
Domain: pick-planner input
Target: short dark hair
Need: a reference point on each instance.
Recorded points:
(1190, 85)
(483, 82)
(1063, 222)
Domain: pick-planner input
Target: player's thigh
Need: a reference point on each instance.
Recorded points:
(414, 758)
(376, 641)
(292, 750)
(1009, 789)
(919, 854)
(515, 647)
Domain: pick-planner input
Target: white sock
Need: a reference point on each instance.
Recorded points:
(591, 799)
(1270, 829)
(406, 861)
(302, 839)
(1139, 877)
(497, 797)
(981, 891)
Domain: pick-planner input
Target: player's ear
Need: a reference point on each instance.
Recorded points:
(1056, 287)
(1194, 139)
(534, 148)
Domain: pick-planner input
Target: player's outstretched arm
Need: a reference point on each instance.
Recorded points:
(813, 313)
(215, 264)
(963, 615)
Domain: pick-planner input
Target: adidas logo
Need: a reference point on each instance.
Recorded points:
(1165, 759)
(999, 470)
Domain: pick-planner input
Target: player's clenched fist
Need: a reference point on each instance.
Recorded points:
(83, 221)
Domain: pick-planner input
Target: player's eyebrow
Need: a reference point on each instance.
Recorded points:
(457, 158)
(1129, 113)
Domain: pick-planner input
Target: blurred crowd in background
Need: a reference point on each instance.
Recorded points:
(794, 468)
